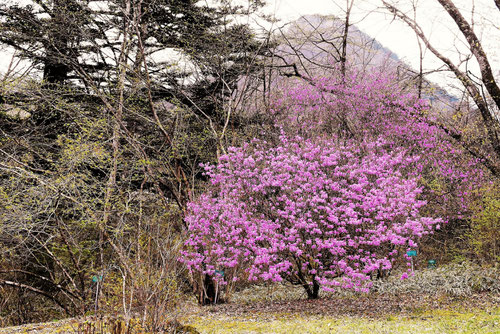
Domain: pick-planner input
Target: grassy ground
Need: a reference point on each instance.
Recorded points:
(434, 321)
(427, 322)
(456, 299)
(356, 314)
(373, 314)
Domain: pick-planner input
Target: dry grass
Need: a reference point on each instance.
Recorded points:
(460, 280)
(428, 322)
(463, 279)
(458, 298)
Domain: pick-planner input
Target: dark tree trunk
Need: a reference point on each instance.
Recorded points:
(208, 291)
(57, 48)
(312, 291)
(487, 76)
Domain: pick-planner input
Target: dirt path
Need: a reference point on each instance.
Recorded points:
(371, 306)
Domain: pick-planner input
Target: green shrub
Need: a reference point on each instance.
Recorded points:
(484, 232)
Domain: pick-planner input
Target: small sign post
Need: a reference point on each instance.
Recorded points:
(220, 273)
(96, 278)
(411, 253)
(431, 264)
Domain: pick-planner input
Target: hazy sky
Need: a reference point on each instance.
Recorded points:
(376, 22)
(440, 29)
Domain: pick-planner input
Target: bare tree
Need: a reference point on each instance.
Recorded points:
(474, 89)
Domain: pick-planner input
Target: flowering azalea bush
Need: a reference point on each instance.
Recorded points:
(315, 212)
(359, 104)
(358, 175)
(365, 106)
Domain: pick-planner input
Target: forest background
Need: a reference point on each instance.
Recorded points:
(106, 135)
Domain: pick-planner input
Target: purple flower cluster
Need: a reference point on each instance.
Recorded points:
(347, 187)
(368, 106)
(305, 210)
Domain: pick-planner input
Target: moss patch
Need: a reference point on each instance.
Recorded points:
(435, 321)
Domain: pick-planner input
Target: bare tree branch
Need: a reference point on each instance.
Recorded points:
(487, 76)
(35, 290)
(490, 123)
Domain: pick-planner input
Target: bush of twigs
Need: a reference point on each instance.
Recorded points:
(462, 279)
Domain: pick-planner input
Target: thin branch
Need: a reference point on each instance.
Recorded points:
(35, 290)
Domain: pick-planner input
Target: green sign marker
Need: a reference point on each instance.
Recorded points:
(96, 279)
(411, 253)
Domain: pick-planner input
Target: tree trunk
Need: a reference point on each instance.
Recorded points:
(57, 45)
(476, 48)
(54, 73)
(345, 35)
(312, 291)
(208, 291)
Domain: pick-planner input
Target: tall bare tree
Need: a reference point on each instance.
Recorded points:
(474, 88)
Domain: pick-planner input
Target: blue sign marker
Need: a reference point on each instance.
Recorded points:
(96, 279)
(411, 253)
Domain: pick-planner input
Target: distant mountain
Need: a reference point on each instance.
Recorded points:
(317, 40)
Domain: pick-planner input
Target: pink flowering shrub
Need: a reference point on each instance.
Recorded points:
(315, 212)
(358, 174)
(368, 106)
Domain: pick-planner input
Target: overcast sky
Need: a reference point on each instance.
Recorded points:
(440, 29)
(376, 22)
